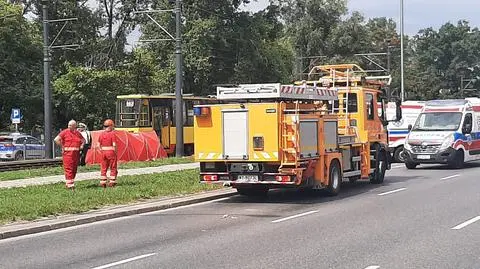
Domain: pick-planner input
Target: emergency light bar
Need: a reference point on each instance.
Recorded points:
(276, 91)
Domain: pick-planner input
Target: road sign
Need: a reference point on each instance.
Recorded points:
(16, 116)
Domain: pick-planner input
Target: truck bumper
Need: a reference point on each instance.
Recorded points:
(270, 180)
(441, 157)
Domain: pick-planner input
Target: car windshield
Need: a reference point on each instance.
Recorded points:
(438, 121)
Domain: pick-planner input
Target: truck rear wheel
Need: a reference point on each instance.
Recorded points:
(334, 178)
(380, 166)
(253, 192)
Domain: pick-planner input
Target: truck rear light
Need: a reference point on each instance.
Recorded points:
(282, 178)
(210, 178)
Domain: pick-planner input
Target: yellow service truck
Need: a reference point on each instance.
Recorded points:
(311, 135)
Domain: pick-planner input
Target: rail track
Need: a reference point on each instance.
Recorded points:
(29, 164)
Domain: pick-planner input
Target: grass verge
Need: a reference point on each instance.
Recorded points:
(35, 202)
(53, 171)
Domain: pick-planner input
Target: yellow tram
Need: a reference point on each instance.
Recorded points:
(145, 113)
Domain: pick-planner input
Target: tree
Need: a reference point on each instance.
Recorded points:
(20, 68)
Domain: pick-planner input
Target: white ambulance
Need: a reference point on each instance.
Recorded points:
(446, 132)
(398, 130)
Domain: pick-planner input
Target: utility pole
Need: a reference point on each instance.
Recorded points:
(178, 62)
(402, 82)
(178, 80)
(47, 92)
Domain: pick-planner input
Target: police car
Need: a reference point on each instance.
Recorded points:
(16, 146)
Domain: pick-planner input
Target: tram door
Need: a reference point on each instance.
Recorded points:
(162, 123)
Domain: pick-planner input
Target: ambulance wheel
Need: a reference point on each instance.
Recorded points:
(334, 178)
(380, 166)
(253, 192)
(19, 156)
(458, 161)
(398, 155)
(410, 165)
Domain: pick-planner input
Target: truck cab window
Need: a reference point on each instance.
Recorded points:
(369, 103)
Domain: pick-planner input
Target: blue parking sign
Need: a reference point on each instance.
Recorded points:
(16, 116)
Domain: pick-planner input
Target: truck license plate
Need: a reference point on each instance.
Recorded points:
(423, 157)
(247, 178)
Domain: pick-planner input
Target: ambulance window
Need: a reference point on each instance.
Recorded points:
(468, 120)
(352, 103)
(369, 102)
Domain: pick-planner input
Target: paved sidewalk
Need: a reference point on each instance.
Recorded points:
(48, 224)
(96, 175)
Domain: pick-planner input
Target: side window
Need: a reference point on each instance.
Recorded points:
(20, 140)
(352, 103)
(369, 104)
(468, 120)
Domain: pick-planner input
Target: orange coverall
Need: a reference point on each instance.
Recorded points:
(107, 140)
(71, 142)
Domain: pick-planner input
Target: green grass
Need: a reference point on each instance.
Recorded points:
(35, 202)
(53, 171)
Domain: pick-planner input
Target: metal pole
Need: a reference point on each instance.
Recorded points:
(178, 83)
(47, 94)
(402, 91)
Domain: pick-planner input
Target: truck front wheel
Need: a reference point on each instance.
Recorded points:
(380, 166)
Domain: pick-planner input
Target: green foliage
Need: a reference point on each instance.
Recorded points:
(35, 202)
(20, 67)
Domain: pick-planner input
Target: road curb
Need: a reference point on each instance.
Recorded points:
(16, 230)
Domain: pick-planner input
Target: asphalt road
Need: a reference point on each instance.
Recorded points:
(423, 218)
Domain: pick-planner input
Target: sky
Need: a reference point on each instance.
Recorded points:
(418, 14)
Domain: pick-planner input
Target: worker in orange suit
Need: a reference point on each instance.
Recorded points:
(108, 146)
(71, 142)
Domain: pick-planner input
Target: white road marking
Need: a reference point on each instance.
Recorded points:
(466, 223)
(398, 166)
(125, 261)
(452, 176)
(295, 216)
(373, 267)
(390, 192)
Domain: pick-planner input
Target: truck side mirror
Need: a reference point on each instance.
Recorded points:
(410, 127)
(398, 110)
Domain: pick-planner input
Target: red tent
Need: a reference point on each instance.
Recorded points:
(143, 146)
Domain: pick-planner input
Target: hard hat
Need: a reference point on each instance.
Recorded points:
(108, 123)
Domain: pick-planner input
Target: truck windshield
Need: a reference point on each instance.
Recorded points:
(438, 121)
